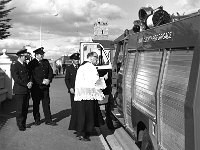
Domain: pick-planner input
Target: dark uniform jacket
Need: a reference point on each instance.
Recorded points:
(20, 75)
(70, 76)
(39, 71)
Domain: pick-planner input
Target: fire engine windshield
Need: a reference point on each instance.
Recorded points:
(103, 55)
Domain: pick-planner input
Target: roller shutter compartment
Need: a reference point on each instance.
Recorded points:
(146, 80)
(127, 88)
(172, 98)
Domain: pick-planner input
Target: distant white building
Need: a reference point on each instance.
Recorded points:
(30, 50)
(100, 29)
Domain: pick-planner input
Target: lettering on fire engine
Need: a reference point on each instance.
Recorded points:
(156, 37)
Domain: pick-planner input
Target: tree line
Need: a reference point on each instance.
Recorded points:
(4, 20)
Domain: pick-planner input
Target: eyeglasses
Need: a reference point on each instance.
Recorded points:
(95, 56)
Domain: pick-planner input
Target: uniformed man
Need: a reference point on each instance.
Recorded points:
(70, 75)
(22, 84)
(42, 75)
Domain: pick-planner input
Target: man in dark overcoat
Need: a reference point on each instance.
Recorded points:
(22, 84)
(42, 75)
(70, 75)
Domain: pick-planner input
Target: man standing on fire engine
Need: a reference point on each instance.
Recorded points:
(42, 75)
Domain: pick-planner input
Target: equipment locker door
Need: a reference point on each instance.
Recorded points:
(146, 81)
(172, 99)
(129, 73)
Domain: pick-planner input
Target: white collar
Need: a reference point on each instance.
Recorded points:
(20, 61)
(74, 65)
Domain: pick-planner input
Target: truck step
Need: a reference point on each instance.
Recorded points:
(125, 140)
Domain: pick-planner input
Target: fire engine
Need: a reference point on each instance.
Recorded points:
(156, 80)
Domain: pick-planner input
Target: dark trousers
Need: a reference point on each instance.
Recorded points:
(22, 101)
(37, 96)
(72, 99)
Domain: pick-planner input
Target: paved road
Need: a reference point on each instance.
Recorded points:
(45, 137)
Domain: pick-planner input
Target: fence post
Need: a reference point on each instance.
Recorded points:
(5, 64)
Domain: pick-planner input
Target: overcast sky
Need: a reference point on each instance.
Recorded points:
(64, 23)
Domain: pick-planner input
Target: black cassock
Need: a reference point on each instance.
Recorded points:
(82, 120)
(86, 115)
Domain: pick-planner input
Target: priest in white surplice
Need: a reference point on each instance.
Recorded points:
(88, 86)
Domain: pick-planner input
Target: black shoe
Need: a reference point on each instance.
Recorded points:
(37, 123)
(81, 138)
(86, 139)
(22, 128)
(51, 123)
(75, 132)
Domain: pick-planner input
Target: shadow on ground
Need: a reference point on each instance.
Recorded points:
(61, 115)
(7, 111)
(56, 117)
